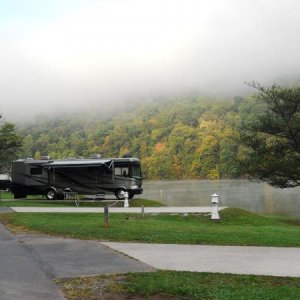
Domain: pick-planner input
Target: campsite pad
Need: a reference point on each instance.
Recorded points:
(6, 209)
(64, 257)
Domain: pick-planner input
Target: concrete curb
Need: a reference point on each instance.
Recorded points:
(151, 210)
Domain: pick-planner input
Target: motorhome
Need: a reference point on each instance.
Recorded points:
(54, 178)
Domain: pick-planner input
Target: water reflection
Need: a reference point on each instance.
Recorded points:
(256, 197)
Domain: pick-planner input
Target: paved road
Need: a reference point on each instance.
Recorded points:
(5, 210)
(64, 257)
(29, 263)
(222, 259)
(21, 275)
(155, 210)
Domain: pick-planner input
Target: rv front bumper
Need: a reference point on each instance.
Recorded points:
(136, 189)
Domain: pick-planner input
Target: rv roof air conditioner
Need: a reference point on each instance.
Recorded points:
(46, 157)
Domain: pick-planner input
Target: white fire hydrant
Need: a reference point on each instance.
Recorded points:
(126, 203)
(215, 211)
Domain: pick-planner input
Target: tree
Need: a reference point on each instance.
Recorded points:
(272, 138)
(10, 143)
(28, 144)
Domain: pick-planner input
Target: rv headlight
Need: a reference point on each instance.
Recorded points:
(134, 186)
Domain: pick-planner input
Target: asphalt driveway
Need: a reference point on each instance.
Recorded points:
(29, 263)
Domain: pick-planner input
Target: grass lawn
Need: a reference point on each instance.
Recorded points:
(181, 285)
(237, 227)
(36, 201)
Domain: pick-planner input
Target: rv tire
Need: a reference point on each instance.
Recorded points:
(51, 194)
(120, 194)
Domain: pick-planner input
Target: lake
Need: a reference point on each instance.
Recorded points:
(256, 197)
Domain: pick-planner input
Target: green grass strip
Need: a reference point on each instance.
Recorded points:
(38, 202)
(237, 227)
(182, 285)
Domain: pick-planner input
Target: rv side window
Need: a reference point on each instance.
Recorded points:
(121, 170)
(36, 171)
(99, 170)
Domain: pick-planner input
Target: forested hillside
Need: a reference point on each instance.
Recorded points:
(179, 138)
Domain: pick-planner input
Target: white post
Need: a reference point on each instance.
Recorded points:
(126, 203)
(215, 211)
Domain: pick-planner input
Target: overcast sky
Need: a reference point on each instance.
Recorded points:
(74, 54)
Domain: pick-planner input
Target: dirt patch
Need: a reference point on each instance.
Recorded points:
(14, 229)
(103, 288)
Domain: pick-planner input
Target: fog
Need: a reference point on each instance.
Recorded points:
(70, 56)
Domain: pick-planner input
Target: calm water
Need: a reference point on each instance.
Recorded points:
(256, 197)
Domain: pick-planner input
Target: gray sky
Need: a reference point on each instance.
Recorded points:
(86, 54)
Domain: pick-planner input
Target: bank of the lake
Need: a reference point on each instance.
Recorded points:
(256, 197)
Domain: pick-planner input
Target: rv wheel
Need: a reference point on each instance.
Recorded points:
(120, 194)
(51, 194)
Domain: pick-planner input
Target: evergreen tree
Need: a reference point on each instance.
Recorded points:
(10, 143)
(272, 137)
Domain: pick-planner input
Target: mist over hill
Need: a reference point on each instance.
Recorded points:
(193, 137)
(85, 56)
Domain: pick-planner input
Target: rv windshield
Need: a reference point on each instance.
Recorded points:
(136, 171)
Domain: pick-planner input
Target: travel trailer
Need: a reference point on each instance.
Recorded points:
(54, 178)
(5, 182)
